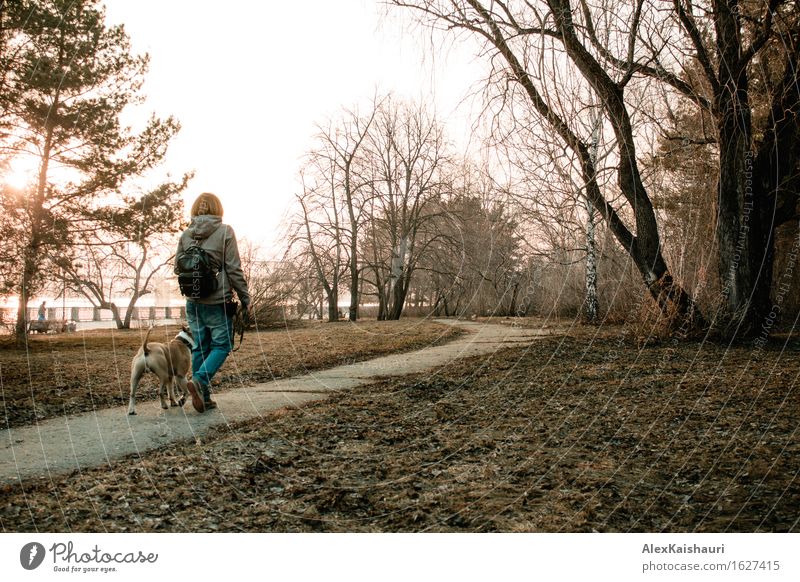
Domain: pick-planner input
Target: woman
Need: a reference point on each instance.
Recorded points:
(209, 321)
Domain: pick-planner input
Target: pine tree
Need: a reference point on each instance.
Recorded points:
(68, 77)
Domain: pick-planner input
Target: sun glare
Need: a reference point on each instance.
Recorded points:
(21, 172)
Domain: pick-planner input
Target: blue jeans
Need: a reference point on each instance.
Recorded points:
(212, 331)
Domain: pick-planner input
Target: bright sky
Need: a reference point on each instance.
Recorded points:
(248, 80)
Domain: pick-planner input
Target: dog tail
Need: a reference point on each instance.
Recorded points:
(146, 351)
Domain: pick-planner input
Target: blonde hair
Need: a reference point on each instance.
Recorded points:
(207, 203)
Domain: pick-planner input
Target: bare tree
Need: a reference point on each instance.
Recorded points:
(370, 204)
(325, 258)
(118, 250)
(408, 153)
(546, 187)
(320, 233)
(738, 64)
(272, 283)
(340, 152)
(516, 37)
(107, 269)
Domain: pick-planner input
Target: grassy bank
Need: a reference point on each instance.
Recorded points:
(572, 434)
(73, 373)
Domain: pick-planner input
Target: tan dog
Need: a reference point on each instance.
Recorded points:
(171, 363)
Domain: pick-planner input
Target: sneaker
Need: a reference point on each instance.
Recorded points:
(197, 400)
(209, 404)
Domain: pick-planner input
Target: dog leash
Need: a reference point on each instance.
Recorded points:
(239, 325)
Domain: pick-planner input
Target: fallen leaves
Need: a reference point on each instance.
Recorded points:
(70, 374)
(702, 446)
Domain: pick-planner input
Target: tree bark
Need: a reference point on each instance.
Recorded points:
(355, 284)
(776, 183)
(116, 316)
(591, 307)
(31, 255)
(738, 226)
(512, 307)
(399, 293)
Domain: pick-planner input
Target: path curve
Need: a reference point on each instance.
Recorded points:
(62, 445)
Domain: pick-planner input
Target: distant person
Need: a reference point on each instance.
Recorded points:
(210, 321)
(43, 311)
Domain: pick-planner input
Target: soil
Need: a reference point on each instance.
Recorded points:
(591, 431)
(85, 371)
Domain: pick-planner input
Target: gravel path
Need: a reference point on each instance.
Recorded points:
(62, 445)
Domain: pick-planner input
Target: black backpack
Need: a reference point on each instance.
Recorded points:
(197, 277)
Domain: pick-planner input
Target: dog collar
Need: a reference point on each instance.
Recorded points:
(186, 338)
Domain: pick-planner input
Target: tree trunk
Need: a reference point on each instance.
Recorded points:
(30, 265)
(31, 255)
(354, 286)
(776, 182)
(591, 305)
(333, 304)
(354, 274)
(20, 329)
(117, 319)
(736, 221)
(512, 308)
(126, 323)
(399, 278)
(381, 293)
(399, 292)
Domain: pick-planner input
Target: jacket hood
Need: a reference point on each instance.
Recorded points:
(203, 226)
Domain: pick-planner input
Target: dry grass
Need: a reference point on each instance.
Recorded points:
(572, 434)
(67, 374)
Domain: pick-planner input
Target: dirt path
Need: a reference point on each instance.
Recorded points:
(75, 442)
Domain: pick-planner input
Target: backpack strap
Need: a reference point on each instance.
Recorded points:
(198, 242)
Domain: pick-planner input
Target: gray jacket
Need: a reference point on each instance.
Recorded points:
(219, 242)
